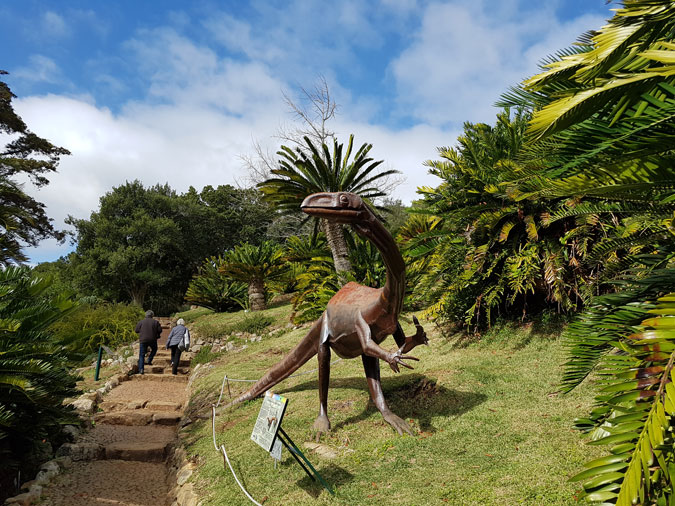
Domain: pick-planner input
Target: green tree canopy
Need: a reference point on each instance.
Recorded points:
(144, 244)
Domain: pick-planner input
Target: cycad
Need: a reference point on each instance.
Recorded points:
(636, 404)
(34, 367)
(605, 113)
(255, 266)
(514, 253)
(212, 289)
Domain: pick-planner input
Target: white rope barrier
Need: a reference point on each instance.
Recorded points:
(227, 459)
(221, 449)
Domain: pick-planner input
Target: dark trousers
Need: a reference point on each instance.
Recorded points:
(175, 358)
(152, 346)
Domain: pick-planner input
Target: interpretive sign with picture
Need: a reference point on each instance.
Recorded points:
(269, 420)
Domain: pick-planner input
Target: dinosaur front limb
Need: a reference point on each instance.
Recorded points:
(371, 366)
(407, 343)
(372, 349)
(322, 423)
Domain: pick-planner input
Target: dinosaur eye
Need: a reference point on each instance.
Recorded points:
(344, 200)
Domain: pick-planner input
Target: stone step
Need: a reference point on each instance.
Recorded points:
(130, 405)
(164, 369)
(129, 483)
(138, 451)
(179, 378)
(167, 362)
(138, 417)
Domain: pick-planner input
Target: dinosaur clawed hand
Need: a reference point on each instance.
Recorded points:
(396, 359)
(420, 336)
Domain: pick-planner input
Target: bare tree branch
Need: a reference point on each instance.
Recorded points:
(315, 109)
(312, 113)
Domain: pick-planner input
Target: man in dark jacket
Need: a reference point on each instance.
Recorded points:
(148, 330)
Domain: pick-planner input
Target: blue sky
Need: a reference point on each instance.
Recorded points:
(179, 92)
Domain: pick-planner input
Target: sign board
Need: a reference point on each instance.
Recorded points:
(269, 420)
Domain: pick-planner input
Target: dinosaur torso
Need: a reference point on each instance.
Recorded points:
(341, 313)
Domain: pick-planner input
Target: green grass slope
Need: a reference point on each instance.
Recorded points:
(490, 427)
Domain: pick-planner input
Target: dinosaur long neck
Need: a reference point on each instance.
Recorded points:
(394, 288)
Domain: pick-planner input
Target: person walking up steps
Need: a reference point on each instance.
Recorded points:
(178, 341)
(149, 330)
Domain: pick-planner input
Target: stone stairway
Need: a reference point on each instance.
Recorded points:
(130, 444)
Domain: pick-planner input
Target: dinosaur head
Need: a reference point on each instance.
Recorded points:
(339, 207)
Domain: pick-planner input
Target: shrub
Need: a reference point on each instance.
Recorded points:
(89, 326)
(254, 323)
(205, 355)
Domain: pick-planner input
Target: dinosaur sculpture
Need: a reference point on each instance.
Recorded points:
(356, 320)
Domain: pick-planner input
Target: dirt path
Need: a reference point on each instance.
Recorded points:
(133, 435)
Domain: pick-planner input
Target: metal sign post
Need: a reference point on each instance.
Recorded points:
(98, 363)
(268, 429)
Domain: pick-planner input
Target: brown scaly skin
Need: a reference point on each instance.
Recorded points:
(357, 319)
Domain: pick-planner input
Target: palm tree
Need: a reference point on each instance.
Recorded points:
(255, 265)
(306, 170)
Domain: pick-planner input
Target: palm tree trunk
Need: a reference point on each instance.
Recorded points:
(256, 295)
(338, 246)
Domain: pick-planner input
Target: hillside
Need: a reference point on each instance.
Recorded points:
(490, 427)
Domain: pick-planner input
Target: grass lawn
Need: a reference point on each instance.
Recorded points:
(490, 428)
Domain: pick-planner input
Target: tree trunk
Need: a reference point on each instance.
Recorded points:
(137, 293)
(256, 295)
(337, 245)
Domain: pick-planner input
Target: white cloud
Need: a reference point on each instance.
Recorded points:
(181, 72)
(40, 69)
(54, 25)
(465, 54)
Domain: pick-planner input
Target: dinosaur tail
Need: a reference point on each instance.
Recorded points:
(305, 350)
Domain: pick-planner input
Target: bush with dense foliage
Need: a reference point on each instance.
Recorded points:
(99, 323)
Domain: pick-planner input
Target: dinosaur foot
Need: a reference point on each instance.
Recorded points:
(321, 426)
(398, 423)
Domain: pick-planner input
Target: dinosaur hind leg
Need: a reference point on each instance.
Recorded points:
(371, 366)
(322, 423)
